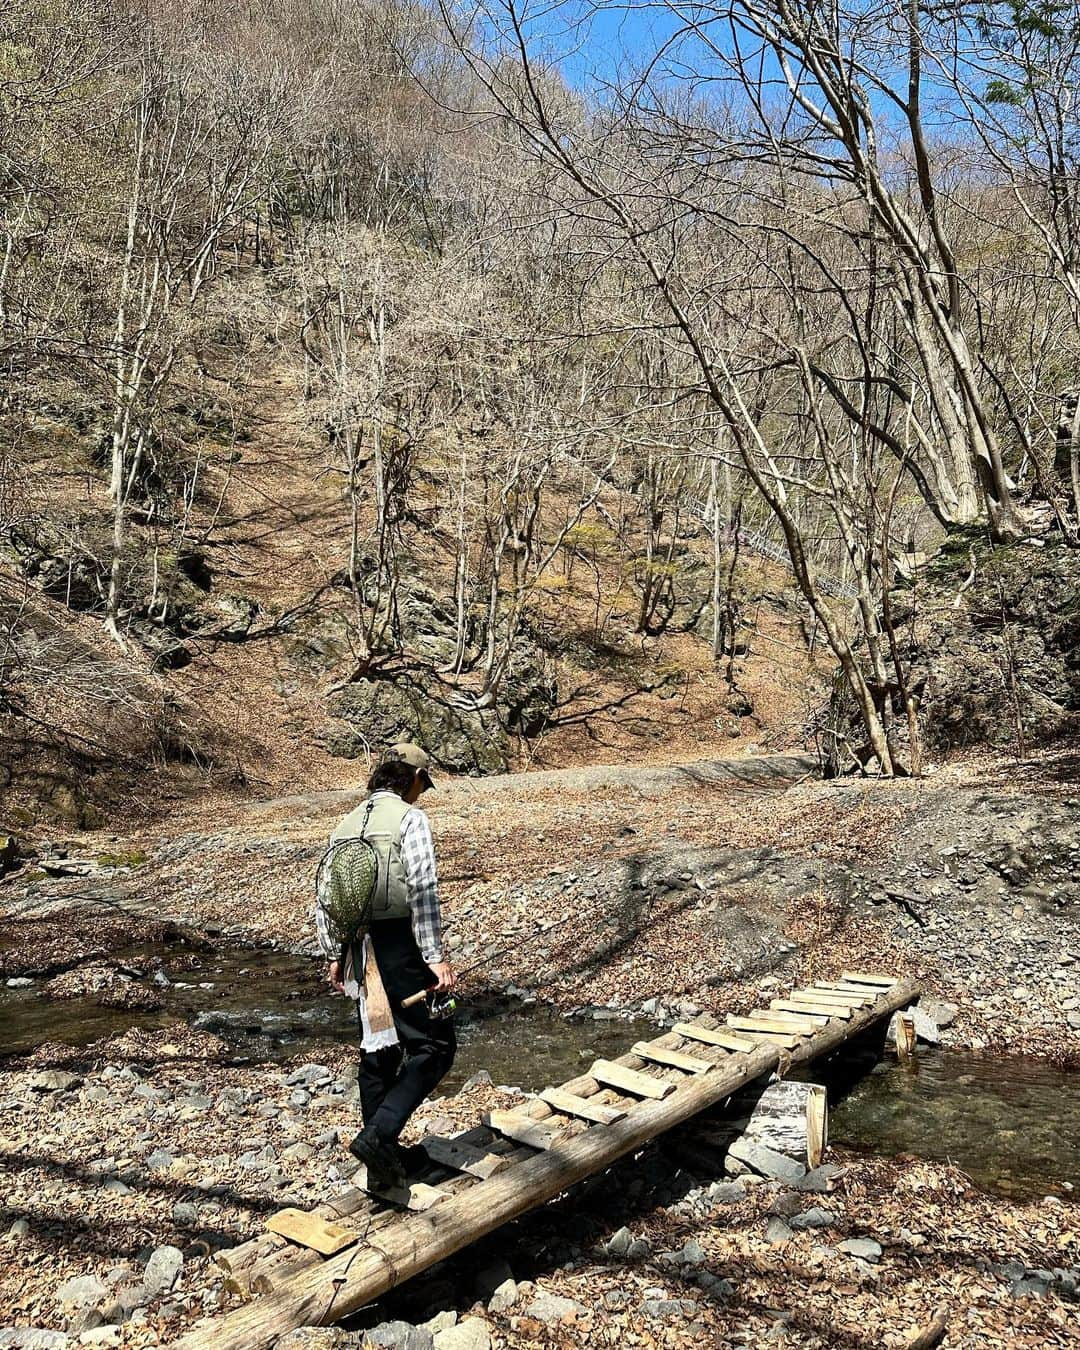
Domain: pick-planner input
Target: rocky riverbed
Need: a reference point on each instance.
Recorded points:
(129, 1162)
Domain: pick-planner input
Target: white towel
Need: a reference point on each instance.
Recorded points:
(354, 988)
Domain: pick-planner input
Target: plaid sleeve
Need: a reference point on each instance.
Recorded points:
(418, 859)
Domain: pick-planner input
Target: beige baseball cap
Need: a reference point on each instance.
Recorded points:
(412, 754)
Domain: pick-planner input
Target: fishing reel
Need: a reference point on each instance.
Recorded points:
(441, 1006)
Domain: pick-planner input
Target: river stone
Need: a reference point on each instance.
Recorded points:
(813, 1218)
(786, 1204)
(84, 1291)
(866, 1249)
(307, 1074)
(818, 1181)
(32, 1338)
(944, 1014)
(663, 1309)
(163, 1270)
(469, 1334)
(54, 1080)
(766, 1161)
(399, 1336)
(778, 1232)
(318, 1338)
(504, 1297)
(551, 1308)
(727, 1192)
(926, 1029)
(441, 1320)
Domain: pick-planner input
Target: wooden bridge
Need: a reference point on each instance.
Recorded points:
(356, 1248)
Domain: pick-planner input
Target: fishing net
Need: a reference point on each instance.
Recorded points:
(345, 888)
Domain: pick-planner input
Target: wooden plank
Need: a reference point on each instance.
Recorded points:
(569, 1104)
(854, 998)
(418, 1197)
(785, 1040)
(875, 981)
(461, 1157)
(761, 1024)
(812, 1007)
(801, 1026)
(630, 1080)
(817, 1015)
(672, 1059)
(525, 1131)
(308, 1230)
(727, 1040)
(339, 1285)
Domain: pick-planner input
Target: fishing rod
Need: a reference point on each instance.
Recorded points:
(447, 1005)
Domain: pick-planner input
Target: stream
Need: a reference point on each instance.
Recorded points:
(1012, 1125)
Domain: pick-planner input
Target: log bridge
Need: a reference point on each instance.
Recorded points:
(314, 1269)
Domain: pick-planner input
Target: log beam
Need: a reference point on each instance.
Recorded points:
(340, 1285)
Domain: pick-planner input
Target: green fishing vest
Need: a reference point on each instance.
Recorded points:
(378, 820)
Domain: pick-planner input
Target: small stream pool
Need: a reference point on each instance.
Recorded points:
(1012, 1125)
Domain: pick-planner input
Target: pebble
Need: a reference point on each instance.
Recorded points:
(160, 1160)
(184, 1214)
(619, 1243)
(19, 982)
(19, 1229)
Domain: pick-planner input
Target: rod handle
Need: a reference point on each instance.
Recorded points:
(414, 999)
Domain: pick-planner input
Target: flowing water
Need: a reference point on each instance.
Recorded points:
(1013, 1125)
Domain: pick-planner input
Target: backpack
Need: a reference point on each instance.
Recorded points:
(345, 887)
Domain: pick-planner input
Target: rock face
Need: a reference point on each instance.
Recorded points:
(1012, 649)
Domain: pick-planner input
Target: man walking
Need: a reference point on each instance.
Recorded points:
(400, 1064)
